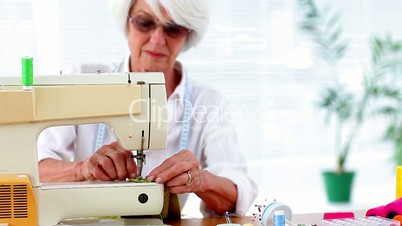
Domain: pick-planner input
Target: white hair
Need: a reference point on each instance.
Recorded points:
(192, 14)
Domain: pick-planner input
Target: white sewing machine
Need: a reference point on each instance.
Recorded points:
(132, 104)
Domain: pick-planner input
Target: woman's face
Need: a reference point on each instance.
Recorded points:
(153, 46)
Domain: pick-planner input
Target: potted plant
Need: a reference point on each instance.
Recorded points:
(326, 32)
(380, 96)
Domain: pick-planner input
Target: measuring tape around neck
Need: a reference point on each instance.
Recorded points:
(185, 128)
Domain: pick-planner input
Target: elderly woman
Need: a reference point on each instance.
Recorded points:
(208, 164)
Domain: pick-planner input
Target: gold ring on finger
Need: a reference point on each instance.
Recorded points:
(189, 178)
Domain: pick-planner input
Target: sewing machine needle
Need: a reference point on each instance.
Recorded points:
(141, 158)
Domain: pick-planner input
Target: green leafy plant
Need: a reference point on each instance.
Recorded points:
(326, 31)
(381, 95)
(385, 87)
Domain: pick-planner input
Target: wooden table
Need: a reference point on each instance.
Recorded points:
(211, 221)
(312, 218)
(308, 218)
(155, 221)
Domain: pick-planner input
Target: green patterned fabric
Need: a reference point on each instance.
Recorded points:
(171, 206)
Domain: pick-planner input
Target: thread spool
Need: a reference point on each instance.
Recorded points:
(27, 73)
(398, 182)
(267, 216)
(392, 209)
(376, 211)
(279, 218)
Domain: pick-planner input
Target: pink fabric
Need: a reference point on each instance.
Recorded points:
(338, 215)
(376, 211)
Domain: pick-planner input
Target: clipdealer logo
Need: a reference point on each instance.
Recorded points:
(159, 113)
(205, 115)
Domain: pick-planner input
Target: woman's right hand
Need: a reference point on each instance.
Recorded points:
(110, 162)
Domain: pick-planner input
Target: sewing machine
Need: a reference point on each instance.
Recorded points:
(132, 104)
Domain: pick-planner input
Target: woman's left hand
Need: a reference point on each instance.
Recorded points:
(180, 172)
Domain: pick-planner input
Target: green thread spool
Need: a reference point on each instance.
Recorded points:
(27, 73)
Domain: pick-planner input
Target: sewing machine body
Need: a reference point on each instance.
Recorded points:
(129, 103)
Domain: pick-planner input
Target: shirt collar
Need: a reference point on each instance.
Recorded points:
(125, 65)
(180, 89)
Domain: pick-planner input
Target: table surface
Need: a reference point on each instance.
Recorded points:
(307, 219)
(155, 221)
(212, 221)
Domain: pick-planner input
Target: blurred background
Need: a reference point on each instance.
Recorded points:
(257, 56)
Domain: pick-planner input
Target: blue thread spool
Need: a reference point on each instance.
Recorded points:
(279, 218)
(267, 217)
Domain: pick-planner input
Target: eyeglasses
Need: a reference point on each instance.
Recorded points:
(146, 25)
